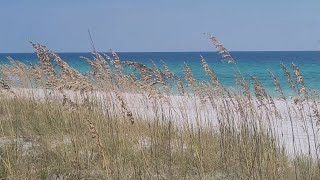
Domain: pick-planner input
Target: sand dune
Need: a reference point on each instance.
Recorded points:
(291, 124)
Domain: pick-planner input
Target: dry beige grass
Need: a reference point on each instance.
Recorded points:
(82, 127)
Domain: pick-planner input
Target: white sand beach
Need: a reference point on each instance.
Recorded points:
(291, 124)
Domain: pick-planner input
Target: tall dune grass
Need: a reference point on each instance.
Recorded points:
(56, 123)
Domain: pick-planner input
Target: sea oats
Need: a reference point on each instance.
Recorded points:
(116, 61)
(216, 136)
(288, 75)
(124, 107)
(299, 79)
(189, 76)
(211, 74)
(168, 72)
(159, 75)
(298, 75)
(96, 136)
(277, 85)
(44, 58)
(73, 79)
(260, 92)
(180, 87)
(240, 81)
(226, 56)
(100, 70)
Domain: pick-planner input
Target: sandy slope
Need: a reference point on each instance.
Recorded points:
(190, 109)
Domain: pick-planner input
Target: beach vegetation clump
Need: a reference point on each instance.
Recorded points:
(149, 123)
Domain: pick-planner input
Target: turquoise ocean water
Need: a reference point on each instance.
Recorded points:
(249, 63)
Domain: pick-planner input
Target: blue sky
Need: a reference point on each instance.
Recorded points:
(166, 25)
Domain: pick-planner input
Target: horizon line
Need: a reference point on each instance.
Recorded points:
(168, 51)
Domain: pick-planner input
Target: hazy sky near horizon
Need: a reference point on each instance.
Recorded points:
(166, 25)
